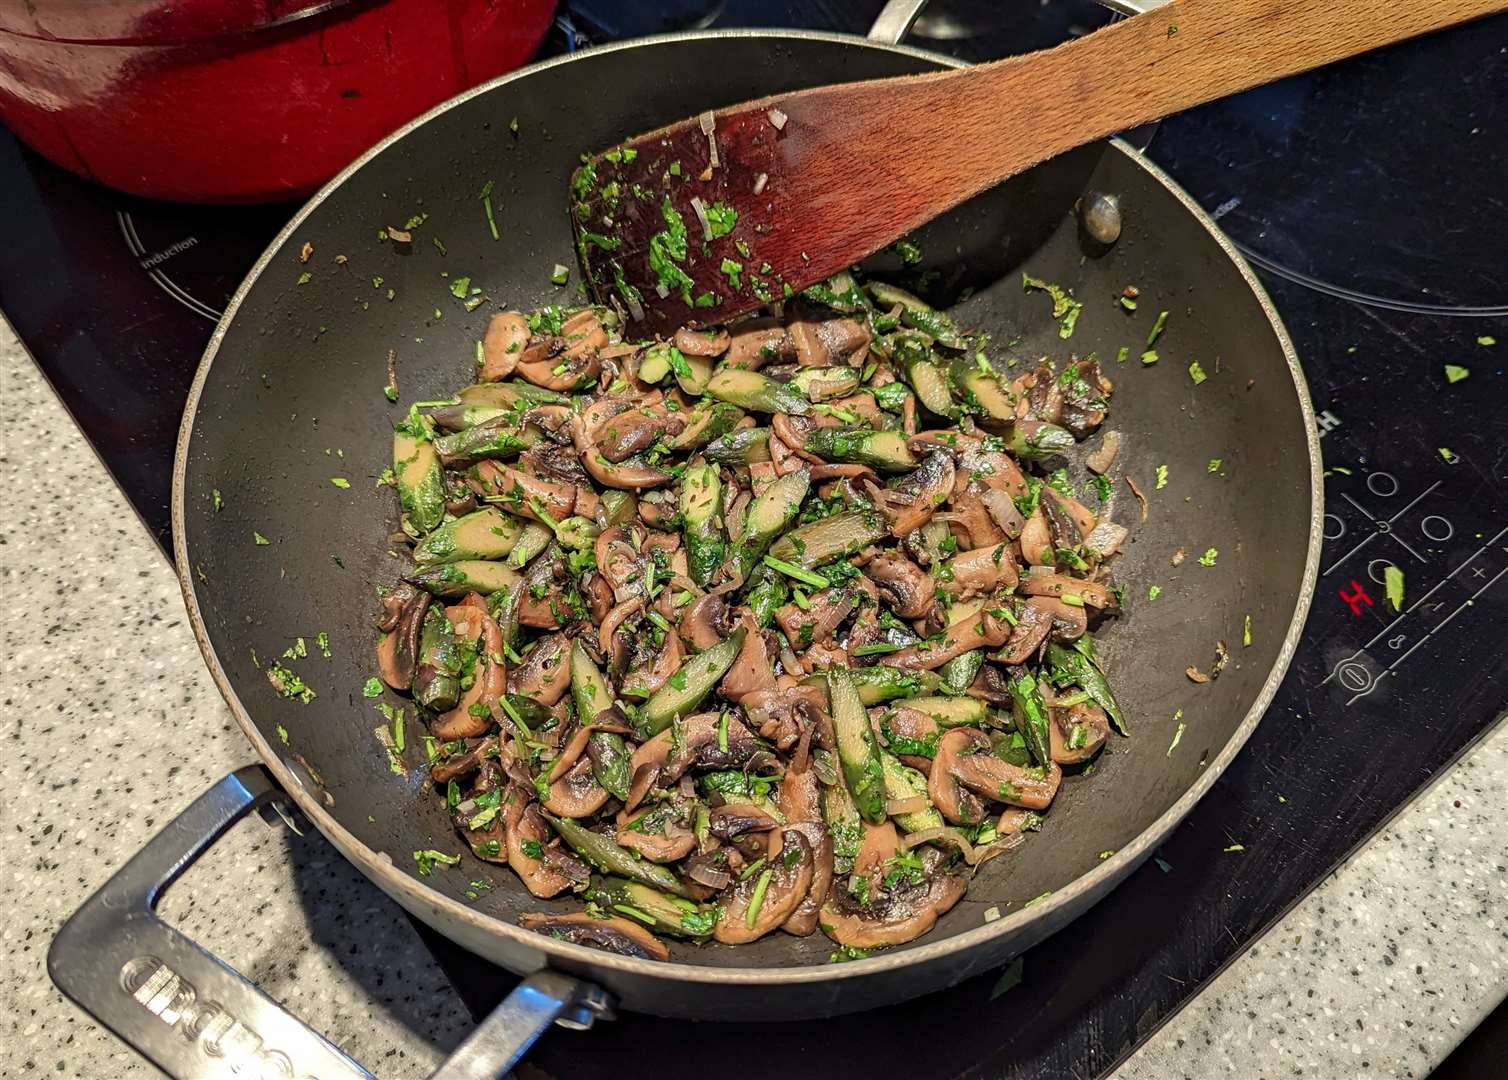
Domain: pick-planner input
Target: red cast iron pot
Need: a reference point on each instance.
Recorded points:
(241, 100)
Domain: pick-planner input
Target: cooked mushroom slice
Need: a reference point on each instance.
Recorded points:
(577, 794)
(649, 668)
(705, 622)
(545, 871)
(751, 669)
(698, 743)
(1069, 623)
(1077, 732)
(1033, 623)
(471, 716)
(980, 571)
(1036, 540)
(462, 765)
(1043, 581)
(502, 345)
(819, 620)
(764, 897)
(804, 918)
(828, 341)
(920, 494)
(757, 342)
(980, 630)
(1085, 395)
(734, 819)
(608, 933)
(965, 766)
(906, 588)
(520, 493)
(398, 651)
(625, 476)
(902, 913)
(701, 343)
(658, 833)
(635, 431)
(544, 675)
(567, 361)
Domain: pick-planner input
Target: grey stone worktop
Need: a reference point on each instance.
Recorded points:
(113, 726)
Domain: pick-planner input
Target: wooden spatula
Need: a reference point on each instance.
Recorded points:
(718, 214)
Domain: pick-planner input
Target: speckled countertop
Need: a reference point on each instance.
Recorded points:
(1379, 972)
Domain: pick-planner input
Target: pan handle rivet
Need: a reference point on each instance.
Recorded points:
(1101, 214)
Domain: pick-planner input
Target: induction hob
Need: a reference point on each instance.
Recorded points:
(1368, 197)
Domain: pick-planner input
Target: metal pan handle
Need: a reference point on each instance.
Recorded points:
(192, 1015)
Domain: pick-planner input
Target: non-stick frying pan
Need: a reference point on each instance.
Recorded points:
(290, 394)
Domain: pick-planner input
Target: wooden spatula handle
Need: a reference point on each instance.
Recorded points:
(959, 132)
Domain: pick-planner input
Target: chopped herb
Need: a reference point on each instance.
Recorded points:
(1393, 583)
(289, 685)
(1154, 591)
(533, 849)
(560, 274)
(1208, 558)
(215, 502)
(1214, 465)
(1149, 357)
(1487, 339)
(1449, 455)
(721, 219)
(372, 687)
(1246, 632)
(732, 268)
(1177, 736)
(879, 648)
(1156, 332)
(1037, 899)
(1197, 373)
(282, 734)
(799, 573)
(260, 540)
(426, 860)
(340, 482)
(305, 278)
(1105, 855)
(844, 953)
(1162, 477)
(486, 197)
(1128, 303)
(1235, 847)
(1454, 373)
(757, 900)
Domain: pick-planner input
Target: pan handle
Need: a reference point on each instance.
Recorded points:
(192, 1015)
(894, 21)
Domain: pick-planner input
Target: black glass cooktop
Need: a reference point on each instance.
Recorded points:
(1369, 198)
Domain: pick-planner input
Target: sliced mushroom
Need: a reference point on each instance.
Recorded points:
(608, 933)
(636, 430)
(554, 871)
(759, 902)
(1085, 398)
(705, 622)
(734, 819)
(1033, 623)
(981, 630)
(758, 342)
(1036, 540)
(1041, 581)
(502, 345)
(521, 493)
(877, 846)
(817, 622)
(462, 765)
(697, 743)
(544, 675)
(625, 476)
(650, 669)
(906, 588)
(901, 914)
(979, 571)
(965, 766)
(1068, 519)
(398, 651)
(751, 669)
(577, 794)
(918, 496)
(701, 343)
(463, 722)
(655, 834)
(1077, 733)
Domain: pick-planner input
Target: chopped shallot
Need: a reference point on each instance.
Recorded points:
(777, 119)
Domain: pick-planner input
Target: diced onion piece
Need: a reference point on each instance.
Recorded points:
(662, 290)
(701, 215)
(915, 804)
(1106, 539)
(635, 308)
(709, 876)
(1100, 461)
(709, 129)
(983, 854)
(777, 119)
(760, 181)
(1003, 510)
(911, 840)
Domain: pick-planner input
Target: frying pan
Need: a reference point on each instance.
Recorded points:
(290, 395)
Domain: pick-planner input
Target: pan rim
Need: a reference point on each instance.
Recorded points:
(414, 895)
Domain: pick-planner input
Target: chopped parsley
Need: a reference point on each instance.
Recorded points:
(289, 685)
(1487, 340)
(1246, 632)
(215, 501)
(427, 859)
(258, 539)
(732, 268)
(372, 688)
(1449, 455)
(1162, 477)
(1214, 465)
(844, 953)
(340, 482)
(1454, 373)
(1154, 591)
(667, 248)
(721, 219)
(1209, 556)
(1064, 307)
(1197, 373)
(1392, 578)
(1156, 332)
